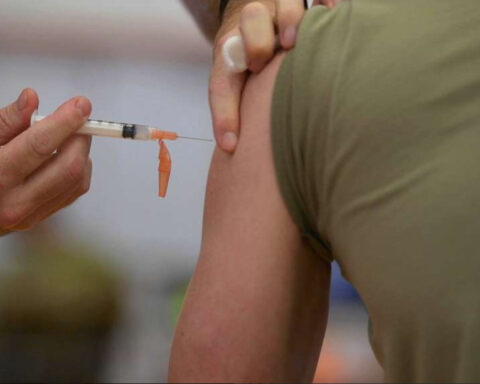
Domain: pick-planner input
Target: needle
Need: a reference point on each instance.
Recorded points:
(194, 138)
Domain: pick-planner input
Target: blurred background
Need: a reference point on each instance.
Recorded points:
(93, 294)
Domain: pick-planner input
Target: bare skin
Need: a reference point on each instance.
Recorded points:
(257, 305)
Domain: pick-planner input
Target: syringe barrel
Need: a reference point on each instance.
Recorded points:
(109, 129)
(100, 128)
(143, 132)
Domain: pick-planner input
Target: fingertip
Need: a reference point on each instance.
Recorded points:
(33, 100)
(225, 138)
(22, 100)
(229, 142)
(289, 16)
(83, 105)
(27, 100)
(289, 37)
(78, 106)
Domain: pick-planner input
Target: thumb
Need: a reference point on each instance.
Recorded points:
(15, 118)
(225, 91)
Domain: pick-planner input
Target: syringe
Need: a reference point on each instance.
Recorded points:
(122, 130)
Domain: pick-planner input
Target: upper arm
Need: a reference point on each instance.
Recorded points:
(256, 307)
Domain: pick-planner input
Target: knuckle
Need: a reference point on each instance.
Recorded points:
(40, 143)
(10, 216)
(260, 52)
(75, 170)
(263, 50)
(85, 187)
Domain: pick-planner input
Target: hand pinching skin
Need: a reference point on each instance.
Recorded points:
(256, 23)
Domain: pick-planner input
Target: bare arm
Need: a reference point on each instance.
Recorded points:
(256, 307)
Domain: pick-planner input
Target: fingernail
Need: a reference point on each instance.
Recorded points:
(83, 105)
(229, 141)
(22, 100)
(289, 36)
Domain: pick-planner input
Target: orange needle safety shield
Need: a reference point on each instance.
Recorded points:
(164, 169)
(164, 135)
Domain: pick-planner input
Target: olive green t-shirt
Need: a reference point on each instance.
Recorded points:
(376, 141)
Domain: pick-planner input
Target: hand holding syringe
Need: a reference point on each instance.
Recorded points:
(134, 132)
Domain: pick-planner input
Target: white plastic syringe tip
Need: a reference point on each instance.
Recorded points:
(234, 56)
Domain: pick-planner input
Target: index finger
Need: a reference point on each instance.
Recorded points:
(225, 91)
(29, 150)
